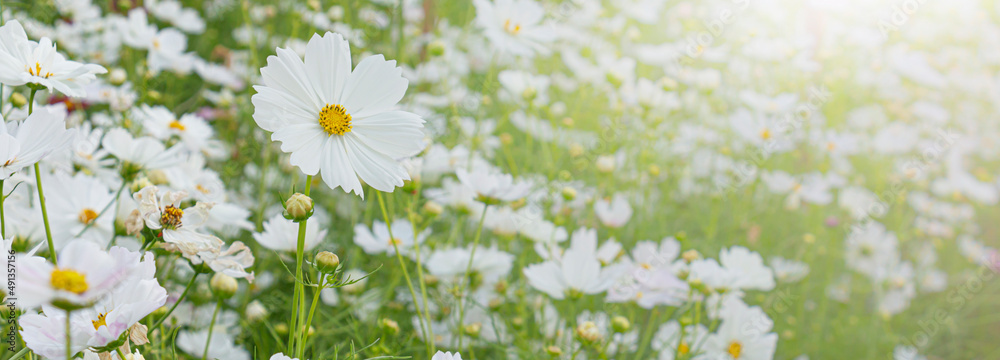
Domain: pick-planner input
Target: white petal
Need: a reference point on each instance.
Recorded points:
(375, 85)
(328, 63)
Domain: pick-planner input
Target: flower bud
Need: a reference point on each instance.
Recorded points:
(433, 208)
(620, 324)
(569, 193)
(553, 351)
(327, 262)
(281, 329)
(691, 255)
(473, 330)
(256, 311)
(117, 76)
(605, 163)
(588, 332)
(298, 207)
(223, 286)
(390, 326)
(436, 48)
(18, 99)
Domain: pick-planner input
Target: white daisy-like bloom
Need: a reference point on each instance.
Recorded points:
(492, 185)
(614, 212)
(75, 204)
(337, 122)
(514, 26)
(221, 346)
(98, 326)
(25, 143)
(577, 273)
(162, 213)
(376, 240)
(446, 356)
(282, 356)
(73, 280)
(140, 153)
(194, 132)
(281, 234)
(745, 333)
(183, 18)
(23, 61)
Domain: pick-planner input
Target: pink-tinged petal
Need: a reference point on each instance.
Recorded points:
(374, 86)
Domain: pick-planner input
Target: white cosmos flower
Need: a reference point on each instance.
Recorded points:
(493, 185)
(23, 61)
(142, 152)
(335, 121)
(376, 240)
(579, 272)
(25, 143)
(75, 203)
(514, 26)
(74, 280)
(614, 212)
(446, 356)
(281, 234)
(745, 334)
(45, 334)
(282, 356)
(176, 225)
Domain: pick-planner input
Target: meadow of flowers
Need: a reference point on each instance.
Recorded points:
(500, 179)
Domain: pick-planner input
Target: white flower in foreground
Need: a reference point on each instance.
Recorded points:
(514, 26)
(45, 334)
(446, 356)
(74, 281)
(282, 356)
(493, 186)
(23, 61)
(281, 234)
(745, 334)
(335, 121)
(25, 143)
(103, 324)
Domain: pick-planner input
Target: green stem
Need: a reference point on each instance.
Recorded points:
(309, 319)
(420, 272)
(120, 355)
(648, 336)
(468, 269)
(69, 351)
(298, 300)
(211, 327)
(406, 273)
(171, 310)
(41, 193)
(19, 354)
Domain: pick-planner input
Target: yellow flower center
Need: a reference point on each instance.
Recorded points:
(513, 29)
(395, 241)
(87, 216)
(37, 70)
(335, 120)
(735, 348)
(171, 217)
(177, 125)
(683, 348)
(69, 280)
(646, 266)
(101, 321)
(765, 134)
